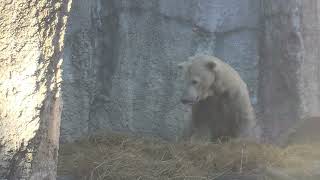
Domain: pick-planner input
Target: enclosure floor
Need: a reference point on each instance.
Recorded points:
(114, 156)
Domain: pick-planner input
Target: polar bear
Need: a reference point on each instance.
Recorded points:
(220, 101)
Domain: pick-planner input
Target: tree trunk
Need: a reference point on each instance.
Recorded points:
(31, 42)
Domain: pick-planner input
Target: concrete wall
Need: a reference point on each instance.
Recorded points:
(120, 62)
(289, 86)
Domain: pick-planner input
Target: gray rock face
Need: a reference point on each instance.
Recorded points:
(31, 41)
(119, 68)
(289, 67)
(79, 70)
(120, 63)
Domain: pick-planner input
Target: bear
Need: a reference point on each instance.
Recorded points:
(219, 99)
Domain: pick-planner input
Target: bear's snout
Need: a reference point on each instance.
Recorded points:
(186, 101)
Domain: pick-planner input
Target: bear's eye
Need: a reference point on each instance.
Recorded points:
(194, 82)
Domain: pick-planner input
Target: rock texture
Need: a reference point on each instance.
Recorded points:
(289, 81)
(80, 68)
(119, 68)
(303, 132)
(120, 63)
(31, 43)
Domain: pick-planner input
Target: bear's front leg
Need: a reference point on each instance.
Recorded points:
(201, 134)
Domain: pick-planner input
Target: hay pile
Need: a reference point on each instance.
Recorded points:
(116, 156)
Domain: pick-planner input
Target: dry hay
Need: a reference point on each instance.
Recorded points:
(115, 156)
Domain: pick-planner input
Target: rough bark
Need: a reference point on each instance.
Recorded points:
(31, 42)
(289, 86)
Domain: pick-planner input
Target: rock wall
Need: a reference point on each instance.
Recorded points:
(289, 86)
(120, 67)
(31, 42)
(80, 68)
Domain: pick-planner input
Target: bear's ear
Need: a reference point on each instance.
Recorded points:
(210, 65)
(183, 65)
(180, 66)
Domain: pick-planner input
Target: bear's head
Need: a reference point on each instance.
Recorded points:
(199, 73)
